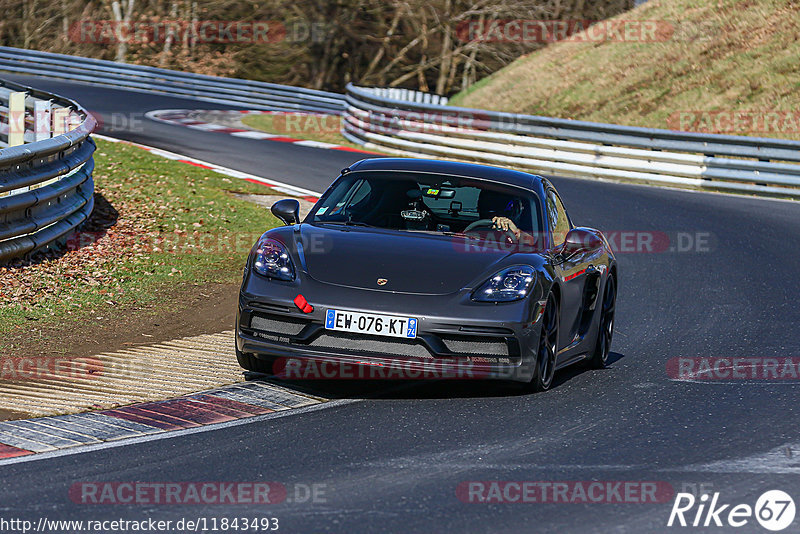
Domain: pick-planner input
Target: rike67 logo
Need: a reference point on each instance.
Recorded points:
(774, 510)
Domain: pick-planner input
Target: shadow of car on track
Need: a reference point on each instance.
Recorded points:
(421, 389)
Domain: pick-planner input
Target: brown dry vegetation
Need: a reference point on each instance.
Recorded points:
(723, 56)
(158, 225)
(313, 43)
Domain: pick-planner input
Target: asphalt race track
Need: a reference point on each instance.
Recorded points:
(391, 455)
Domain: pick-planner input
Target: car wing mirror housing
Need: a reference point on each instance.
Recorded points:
(287, 210)
(578, 241)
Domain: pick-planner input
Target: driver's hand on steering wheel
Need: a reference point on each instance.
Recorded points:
(506, 224)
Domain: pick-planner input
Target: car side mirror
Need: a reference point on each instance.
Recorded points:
(287, 210)
(580, 240)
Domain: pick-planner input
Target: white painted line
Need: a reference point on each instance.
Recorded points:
(315, 144)
(189, 118)
(165, 154)
(208, 126)
(255, 135)
(175, 433)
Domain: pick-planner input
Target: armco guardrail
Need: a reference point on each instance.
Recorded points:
(572, 148)
(408, 95)
(252, 94)
(46, 187)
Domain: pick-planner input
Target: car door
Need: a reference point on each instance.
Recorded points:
(571, 272)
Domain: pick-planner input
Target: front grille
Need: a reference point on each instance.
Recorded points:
(276, 324)
(475, 345)
(292, 331)
(356, 344)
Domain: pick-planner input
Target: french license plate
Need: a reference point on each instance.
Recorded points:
(371, 323)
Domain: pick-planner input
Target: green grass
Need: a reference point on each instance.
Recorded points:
(163, 208)
(724, 56)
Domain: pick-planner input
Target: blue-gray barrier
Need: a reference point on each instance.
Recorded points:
(251, 94)
(418, 124)
(46, 187)
(572, 148)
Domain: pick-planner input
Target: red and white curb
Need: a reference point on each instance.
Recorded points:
(218, 406)
(306, 194)
(145, 421)
(188, 118)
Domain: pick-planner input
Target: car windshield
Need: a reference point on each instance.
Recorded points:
(417, 202)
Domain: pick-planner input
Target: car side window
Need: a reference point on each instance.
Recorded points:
(347, 195)
(557, 216)
(362, 189)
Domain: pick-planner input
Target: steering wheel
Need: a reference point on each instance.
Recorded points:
(490, 224)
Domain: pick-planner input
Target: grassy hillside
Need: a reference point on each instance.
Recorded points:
(715, 56)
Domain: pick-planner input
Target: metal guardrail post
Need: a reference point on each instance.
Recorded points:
(16, 118)
(60, 121)
(46, 186)
(42, 120)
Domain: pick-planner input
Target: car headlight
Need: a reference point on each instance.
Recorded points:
(271, 259)
(512, 283)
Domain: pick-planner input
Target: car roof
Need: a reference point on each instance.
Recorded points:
(466, 170)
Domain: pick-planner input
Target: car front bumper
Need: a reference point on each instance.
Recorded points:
(456, 337)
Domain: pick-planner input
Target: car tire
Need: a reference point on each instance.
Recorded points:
(251, 363)
(605, 328)
(547, 351)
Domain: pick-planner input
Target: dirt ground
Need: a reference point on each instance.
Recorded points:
(195, 310)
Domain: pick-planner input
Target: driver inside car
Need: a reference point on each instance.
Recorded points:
(504, 211)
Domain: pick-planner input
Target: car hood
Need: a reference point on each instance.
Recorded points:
(409, 262)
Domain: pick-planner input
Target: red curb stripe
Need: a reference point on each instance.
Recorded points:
(311, 199)
(196, 164)
(7, 451)
(130, 414)
(279, 139)
(143, 410)
(186, 410)
(234, 405)
(348, 149)
(224, 410)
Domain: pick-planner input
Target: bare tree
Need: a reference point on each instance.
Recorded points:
(122, 18)
(410, 43)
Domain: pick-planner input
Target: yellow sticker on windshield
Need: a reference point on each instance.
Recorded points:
(432, 192)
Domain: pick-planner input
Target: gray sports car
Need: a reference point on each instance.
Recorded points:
(410, 268)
